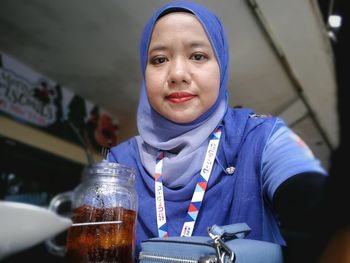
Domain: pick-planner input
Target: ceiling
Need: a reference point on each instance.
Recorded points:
(278, 49)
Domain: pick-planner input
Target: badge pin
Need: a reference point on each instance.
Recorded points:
(230, 170)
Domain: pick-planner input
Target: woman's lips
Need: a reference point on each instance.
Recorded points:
(179, 97)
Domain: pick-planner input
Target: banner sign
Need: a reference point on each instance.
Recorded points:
(31, 98)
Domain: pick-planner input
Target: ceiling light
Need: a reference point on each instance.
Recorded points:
(334, 21)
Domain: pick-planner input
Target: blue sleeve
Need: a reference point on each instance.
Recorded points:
(285, 155)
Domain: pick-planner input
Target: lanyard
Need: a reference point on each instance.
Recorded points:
(198, 194)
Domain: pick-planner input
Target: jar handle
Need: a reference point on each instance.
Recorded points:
(56, 202)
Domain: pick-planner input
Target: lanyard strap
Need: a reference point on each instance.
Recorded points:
(160, 205)
(198, 194)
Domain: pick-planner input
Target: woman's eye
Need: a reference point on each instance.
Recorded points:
(198, 57)
(158, 60)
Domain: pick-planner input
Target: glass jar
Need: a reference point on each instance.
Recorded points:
(104, 210)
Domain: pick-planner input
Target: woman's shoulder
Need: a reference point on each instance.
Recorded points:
(247, 113)
(131, 142)
(124, 150)
(249, 119)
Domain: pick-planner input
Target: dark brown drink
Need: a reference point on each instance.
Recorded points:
(109, 239)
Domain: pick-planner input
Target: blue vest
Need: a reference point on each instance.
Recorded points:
(229, 198)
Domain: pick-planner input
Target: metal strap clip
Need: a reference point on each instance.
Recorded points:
(222, 250)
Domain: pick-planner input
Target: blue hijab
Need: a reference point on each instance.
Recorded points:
(185, 144)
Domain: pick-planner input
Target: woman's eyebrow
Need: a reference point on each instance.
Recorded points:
(199, 44)
(195, 44)
(157, 48)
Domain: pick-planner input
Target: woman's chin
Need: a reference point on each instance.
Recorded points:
(182, 118)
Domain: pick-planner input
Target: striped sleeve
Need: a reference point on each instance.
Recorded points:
(285, 155)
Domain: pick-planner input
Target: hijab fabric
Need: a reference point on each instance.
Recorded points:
(184, 144)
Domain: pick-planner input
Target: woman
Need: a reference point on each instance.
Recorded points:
(198, 161)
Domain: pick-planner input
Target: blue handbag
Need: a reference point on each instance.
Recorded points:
(225, 244)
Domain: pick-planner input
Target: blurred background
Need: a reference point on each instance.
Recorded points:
(70, 79)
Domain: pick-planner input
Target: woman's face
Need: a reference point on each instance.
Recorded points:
(182, 73)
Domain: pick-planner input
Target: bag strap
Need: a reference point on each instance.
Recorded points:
(227, 232)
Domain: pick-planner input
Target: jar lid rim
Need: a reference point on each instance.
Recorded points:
(106, 167)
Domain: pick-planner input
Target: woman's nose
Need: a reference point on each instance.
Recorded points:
(179, 72)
